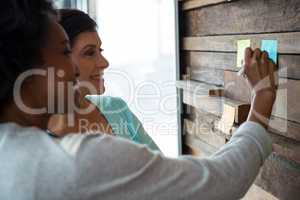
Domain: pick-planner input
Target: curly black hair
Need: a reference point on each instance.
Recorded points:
(75, 22)
(24, 25)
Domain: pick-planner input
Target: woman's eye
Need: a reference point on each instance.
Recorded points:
(90, 53)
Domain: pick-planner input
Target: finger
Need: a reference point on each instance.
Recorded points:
(257, 54)
(264, 64)
(255, 62)
(272, 79)
(248, 56)
(273, 74)
(274, 65)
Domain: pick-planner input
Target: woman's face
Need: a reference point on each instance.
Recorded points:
(87, 55)
(55, 88)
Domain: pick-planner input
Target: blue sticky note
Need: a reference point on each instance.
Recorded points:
(271, 47)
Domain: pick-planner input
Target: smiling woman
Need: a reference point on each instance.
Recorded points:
(97, 113)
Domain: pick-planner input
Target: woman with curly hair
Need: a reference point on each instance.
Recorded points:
(37, 80)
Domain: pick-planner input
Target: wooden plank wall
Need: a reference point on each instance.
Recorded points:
(209, 33)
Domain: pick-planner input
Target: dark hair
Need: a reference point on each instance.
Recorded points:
(24, 24)
(75, 22)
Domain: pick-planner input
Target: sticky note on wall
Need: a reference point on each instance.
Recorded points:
(270, 46)
(241, 47)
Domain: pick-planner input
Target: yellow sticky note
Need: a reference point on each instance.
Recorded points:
(241, 47)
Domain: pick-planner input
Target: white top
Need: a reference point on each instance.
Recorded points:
(89, 167)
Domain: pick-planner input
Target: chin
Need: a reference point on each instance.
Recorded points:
(101, 90)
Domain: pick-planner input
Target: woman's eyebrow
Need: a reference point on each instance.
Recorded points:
(89, 46)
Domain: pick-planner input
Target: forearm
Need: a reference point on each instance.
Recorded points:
(261, 108)
(226, 175)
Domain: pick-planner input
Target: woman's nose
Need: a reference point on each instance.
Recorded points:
(102, 62)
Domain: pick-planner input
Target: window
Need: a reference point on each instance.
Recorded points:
(139, 42)
(79, 4)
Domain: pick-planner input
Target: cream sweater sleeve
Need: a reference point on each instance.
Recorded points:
(113, 168)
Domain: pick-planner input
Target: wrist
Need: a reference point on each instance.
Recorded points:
(261, 107)
(266, 96)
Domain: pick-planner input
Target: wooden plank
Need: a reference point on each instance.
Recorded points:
(280, 177)
(281, 171)
(208, 75)
(196, 87)
(285, 128)
(289, 65)
(188, 5)
(236, 87)
(187, 150)
(204, 130)
(285, 106)
(286, 147)
(283, 146)
(243, 17)
(257, 193)
(203, 125)
(214, 105)
(288, 43)
(197, 143)
(287, 99)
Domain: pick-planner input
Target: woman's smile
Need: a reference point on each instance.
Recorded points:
(97, 77)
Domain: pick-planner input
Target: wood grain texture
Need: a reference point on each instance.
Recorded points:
(286, 147)
(196, 87)
(288, 43)
(236, 87)
(285, 128)
(203, 125)
(208, 75)
(215, 105)
(198, 62)
(199, 145)
(188, 5)
(257, 193)
(280, 177)
(286, 105)
(244, 16)
(278, 125)
(187, 150)
(206, 95)
(287, 100)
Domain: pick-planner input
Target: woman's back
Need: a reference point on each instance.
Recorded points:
(33, 166)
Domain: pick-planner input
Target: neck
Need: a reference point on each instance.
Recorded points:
(62, 124)
(11, 113)
(84, 102)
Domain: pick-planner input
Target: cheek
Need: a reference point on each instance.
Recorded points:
(86, 68)
(40, 86)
